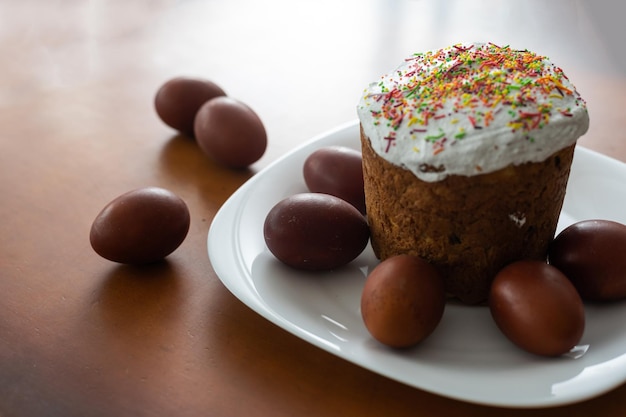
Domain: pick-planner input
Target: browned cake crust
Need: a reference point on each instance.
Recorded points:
(469, 227)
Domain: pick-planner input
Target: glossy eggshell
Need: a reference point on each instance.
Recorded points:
(140, 226)
(179, 99)
(537, 308)
(313, 231)
(592, 254)
(230, 132)
(336, 170)
(403, 301)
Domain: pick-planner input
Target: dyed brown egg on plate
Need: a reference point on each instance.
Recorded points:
(314, 231)
(336, 170)
(403, 301)
(592, 254)
(537, 308)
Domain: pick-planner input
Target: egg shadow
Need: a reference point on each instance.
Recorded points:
(139, 301)
(182, 159)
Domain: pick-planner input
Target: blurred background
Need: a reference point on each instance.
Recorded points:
(289, 59)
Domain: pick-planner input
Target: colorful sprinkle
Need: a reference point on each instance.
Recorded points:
(478, 81)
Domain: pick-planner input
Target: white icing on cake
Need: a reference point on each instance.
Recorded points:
(471, 109)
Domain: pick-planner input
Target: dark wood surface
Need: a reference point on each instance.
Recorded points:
(82, 336)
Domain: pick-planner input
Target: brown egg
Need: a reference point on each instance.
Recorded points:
(179, 99)
(402, 301)
(140, 226)
(537, 308)
(314, 231)
(230, 132)
(592, 254)
(336, 170)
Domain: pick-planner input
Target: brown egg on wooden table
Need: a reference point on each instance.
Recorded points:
(179, 99)
(141, 226)
(230, 132)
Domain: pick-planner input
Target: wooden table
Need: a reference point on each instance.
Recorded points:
(82, 336)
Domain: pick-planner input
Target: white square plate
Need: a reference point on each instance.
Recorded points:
(466, 358)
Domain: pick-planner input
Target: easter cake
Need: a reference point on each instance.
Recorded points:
(466, 157)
